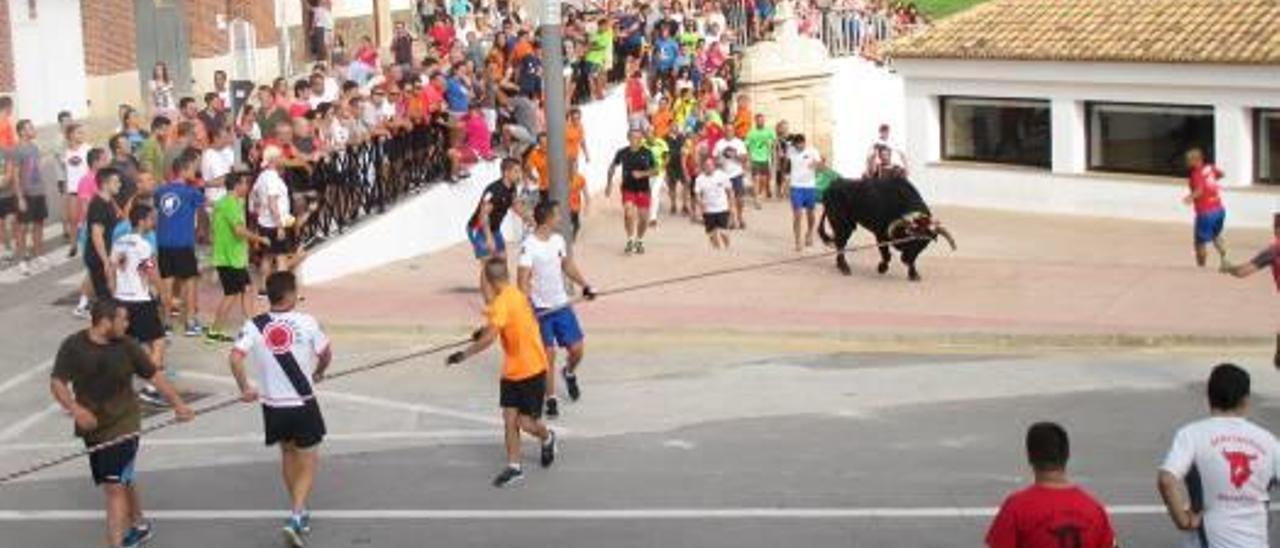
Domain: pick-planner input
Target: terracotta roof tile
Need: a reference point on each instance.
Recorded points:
(1151, 31)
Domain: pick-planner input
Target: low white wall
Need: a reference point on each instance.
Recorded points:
(437, 218)
(863, 96)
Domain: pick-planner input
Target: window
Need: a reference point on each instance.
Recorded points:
(1268, 143)
(1001, 131)
(1149, 139)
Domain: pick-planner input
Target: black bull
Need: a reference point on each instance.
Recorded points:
(890, 208)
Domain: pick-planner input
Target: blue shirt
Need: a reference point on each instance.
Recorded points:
(529, 74)
(176, 206)
(665, 53)
(457, 95)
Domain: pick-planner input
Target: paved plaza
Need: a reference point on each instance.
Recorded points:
(780, 406)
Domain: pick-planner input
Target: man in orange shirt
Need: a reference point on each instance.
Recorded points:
(8, 182)
(575, 138)
(578, 197)
(537, 166)
(524, 367)
(742, 119)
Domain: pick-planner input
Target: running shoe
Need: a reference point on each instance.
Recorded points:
(571, 383)
(639, 247)
(193, 330)
(138, 535)
(553, 408)
(631, 247)
(294, 529)
(549, 449)
(509, 476)
(81, 312)
(215, 336)
(151, 396)
(306, 522)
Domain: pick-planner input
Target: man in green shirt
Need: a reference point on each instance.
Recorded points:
(231, 240)
(599, 53)
(659, 150)
(760, 145)
(151, 152)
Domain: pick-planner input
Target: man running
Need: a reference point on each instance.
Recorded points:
(1053, 511)
(177, 202)
(760, 144)
(524, 368)
(1205, 197)
(715, 194)
(484, 229)
(292, 354)
(100, 362)
(1226, 465)
(1269, 257)
(731, 152)
(544, 264)
(637, 167)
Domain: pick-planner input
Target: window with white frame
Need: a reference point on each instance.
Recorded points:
(1147, 139)
(1267, 142)
(1000, 131)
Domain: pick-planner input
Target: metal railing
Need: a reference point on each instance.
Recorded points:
(846, 32)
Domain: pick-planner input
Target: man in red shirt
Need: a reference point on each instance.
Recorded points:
(1052, 512)
(1206, 199)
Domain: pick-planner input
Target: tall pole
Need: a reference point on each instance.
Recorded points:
(553, 91)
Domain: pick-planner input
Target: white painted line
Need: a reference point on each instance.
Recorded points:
(493, 419)
(18, 428)
(566, 514)
(53, 259)
(256, 439)
(25, 376)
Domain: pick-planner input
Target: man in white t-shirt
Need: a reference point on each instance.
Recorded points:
(897, 156)
(804, 192)
(292, 354)
(137, 283)
(269, 200)
(715, 194)
(216, 162)
(544, 264)
(732, 153)
(1228, 464)
(73, 164)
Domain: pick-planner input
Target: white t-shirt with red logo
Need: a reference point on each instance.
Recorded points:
(287, 332)
(1236, 461)
(134, 260)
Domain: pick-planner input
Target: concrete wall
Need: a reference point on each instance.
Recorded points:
(1068, 187)
(40, 43)
(437, 218)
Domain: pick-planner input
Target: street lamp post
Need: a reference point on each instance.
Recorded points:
(552, 40)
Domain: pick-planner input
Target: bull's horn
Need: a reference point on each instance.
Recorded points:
(946, 234)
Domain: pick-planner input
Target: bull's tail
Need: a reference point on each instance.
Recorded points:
(822, 229)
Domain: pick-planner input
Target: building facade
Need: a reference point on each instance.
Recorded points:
(90, 56)
(1090, 109)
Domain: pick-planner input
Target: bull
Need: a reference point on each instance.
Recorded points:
(891, 209)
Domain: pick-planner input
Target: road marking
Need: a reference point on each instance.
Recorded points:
(256, 439)
(566, 514)
(53, 260)
(376, 402)
(18, 428)
(24, 376)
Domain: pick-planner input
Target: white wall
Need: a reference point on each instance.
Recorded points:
(863, 96)
(1069, 188)
(437, 218)
(48, 60)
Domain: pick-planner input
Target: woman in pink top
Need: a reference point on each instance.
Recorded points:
(477, 140)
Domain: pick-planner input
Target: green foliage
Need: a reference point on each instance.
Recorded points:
(937, 9)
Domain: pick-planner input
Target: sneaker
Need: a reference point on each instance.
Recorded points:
(138, 535)
(81, 312)
(306, 522)
(549, 449)
(553, 408)
(639, 247)
(151, 396)
(215, 336)
(571, 383)
(293, 531)
(193, 330)
(72, 250)
(509, 476)
(631, 247)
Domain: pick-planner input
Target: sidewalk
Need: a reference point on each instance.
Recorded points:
(1013, 275)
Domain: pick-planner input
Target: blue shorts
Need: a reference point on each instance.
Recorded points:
(478, 245)
(739, 185)
(1209, 226)
(804, 198)
(559, 328)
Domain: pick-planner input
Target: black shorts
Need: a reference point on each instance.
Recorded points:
(759, 169)
(303, 426)
(275, 244)
(37, 210)
(234, 280)
(98, 278)
(144, 321)
(179, 262)
(114, 464)
(525, 396)
(8, 206)
(715, 221)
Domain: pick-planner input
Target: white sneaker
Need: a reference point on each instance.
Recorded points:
(81, 312)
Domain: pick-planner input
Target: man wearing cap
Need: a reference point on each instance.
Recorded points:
(1268, 257)
(270, 202)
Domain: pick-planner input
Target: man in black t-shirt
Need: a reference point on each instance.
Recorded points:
(637, 166)
(484, 229)
(100, 222)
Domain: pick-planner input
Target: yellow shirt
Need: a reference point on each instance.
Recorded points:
(512, 315)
